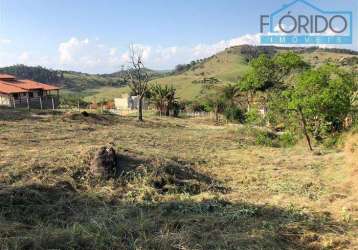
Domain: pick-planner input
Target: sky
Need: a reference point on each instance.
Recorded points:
(93, 36)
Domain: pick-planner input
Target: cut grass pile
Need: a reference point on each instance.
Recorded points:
(186, 184)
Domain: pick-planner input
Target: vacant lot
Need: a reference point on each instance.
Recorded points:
(186, 184)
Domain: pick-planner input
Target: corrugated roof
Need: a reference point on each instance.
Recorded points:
(10, 89)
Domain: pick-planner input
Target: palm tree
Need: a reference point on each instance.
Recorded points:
(157, 97)
(230, 93)
(163, 97)
(170, 99)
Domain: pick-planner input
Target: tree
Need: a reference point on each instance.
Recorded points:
(170, 99)
(322, 98)
(138, 77)
(266, 73)
(157, 97)
(223, 100)
(215, 102)
(163, 97)
(230, 93)
(286, 64)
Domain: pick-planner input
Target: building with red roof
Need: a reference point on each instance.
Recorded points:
(21, 93)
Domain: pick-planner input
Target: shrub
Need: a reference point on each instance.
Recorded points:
(266, 139)
(71, 100)
(234, 114)
(332, 141)
(196, 106)
(254, 117)
(287, 139)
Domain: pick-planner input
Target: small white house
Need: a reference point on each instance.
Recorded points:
(127, 102)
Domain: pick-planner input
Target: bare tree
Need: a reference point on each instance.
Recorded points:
(138, 77)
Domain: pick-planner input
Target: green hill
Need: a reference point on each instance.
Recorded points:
(70, 80)
(229, 65)
(226, 67)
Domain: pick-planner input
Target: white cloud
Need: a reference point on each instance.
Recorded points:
(4, 41)
(94, 56)
(113, 51)
(205, 50)
(24, 57)
(88, 56)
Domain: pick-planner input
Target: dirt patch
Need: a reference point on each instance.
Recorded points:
(90, 118)
(162, 175)
(173, 177)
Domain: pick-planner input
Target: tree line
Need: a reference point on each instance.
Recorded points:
(314, 101)
(37, 73)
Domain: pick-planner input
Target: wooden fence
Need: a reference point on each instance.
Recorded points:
(45, 102)
(197, 114)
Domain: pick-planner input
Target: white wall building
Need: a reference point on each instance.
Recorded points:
(127, 102)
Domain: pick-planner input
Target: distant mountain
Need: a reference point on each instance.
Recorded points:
(35, 73)
(74, 81)
(150, 72)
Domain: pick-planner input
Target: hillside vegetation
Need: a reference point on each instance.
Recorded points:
(71, 81)
(229, 66)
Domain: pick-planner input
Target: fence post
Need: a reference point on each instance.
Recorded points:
(53, 104)
(28, 103)
(78, 105)
(41, 102)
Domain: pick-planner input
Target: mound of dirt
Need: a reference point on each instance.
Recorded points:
(174, 177)
(90, 118)
(165, 176)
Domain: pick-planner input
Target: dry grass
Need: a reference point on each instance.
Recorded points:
(186, 185)
(351, 150)
(350, 203)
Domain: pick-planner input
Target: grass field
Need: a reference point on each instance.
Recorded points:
(218, 189)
